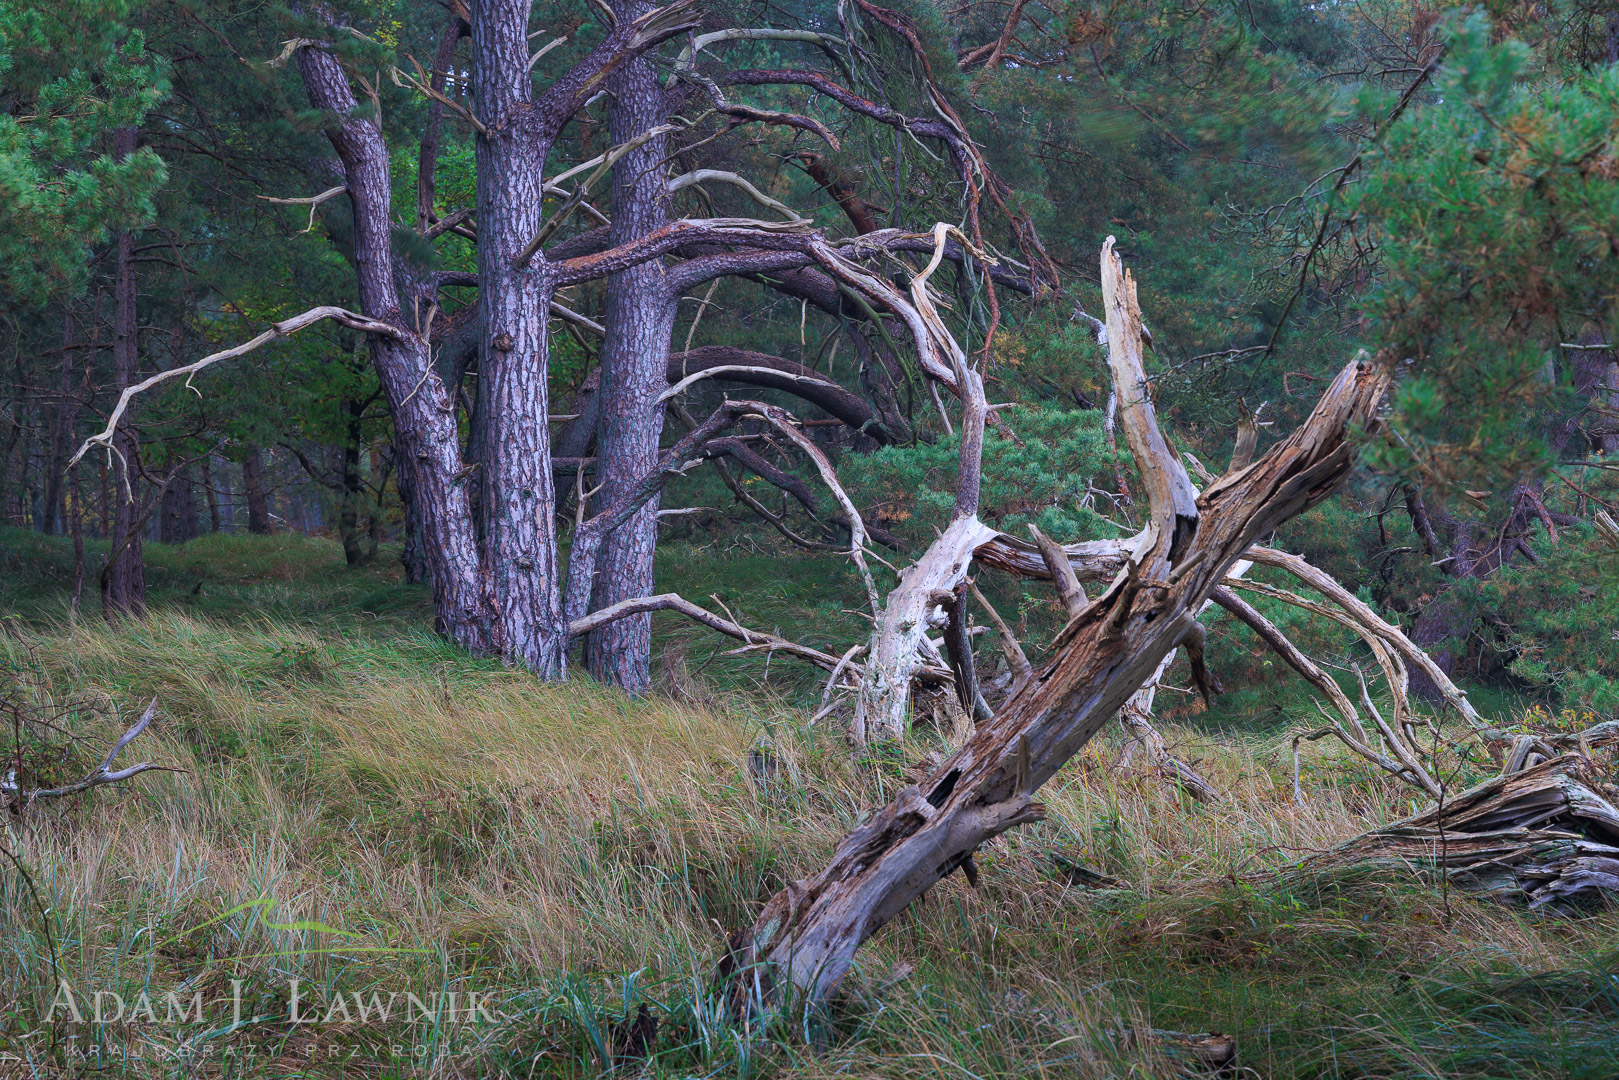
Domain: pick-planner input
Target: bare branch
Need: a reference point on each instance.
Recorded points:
(1170, 494)
(1016, 659)
(101, 775)
(688, 55)
(1295, 657)
(1062, 572)
(698, 176)
(312, 201)
(281, 329)
(754, 639)
(741, 369)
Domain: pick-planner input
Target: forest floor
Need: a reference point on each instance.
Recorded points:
(364, 811)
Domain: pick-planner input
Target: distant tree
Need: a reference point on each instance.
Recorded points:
(74, 73)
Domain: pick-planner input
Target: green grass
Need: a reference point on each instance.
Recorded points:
(366, 809)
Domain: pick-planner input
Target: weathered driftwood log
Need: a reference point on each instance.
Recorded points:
(1542, 835)
(808, 933)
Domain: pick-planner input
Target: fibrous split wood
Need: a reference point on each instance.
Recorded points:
(807, 934)
(1543, 835)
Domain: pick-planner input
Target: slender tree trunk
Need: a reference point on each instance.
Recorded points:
(123, 579)
(519, 501)
(634, 370)
(63, 416)
(411, 556)
(177, 522)
(220, 472)
(209, 491)
(348, 513)
(258, 503)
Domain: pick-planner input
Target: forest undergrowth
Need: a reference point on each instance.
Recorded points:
(364, 809)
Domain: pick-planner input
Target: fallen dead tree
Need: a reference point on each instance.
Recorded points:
(1542, 835)
(807, 934)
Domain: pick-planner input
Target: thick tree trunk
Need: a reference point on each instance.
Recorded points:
(519, 501)
(808, 933)
(423, 413)
(258, 503)
(634, 370)
(123, 579)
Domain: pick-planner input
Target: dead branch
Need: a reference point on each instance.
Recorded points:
(19, 800)
(698, 176)
(751, 639)
(1295, 657)
(1396, 639)
(808, 933)
(1062, 572)
(312, 201)
(731, 364)
(719, 370)
(588, 536)
(918, 603)
(958, 646)
(1543, 835)
(1016, 660)
(279, 330)
(1173, 770)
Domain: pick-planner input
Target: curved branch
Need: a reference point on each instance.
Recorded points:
(100, 775)
(697, 176)
(282, 329)
(777, 373)
(751, 639)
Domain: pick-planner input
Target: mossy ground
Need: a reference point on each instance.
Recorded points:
(367, 810)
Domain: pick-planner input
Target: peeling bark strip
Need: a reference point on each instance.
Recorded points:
(808, 933)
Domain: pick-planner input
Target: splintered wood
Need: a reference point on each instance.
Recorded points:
(807, 935)
(1543, 835)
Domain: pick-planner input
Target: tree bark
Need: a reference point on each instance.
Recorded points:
(62, 419)
(808, 933)
(258, 503)
(177, 520)
(519, 501)
(123, 579)
(634, 369)
(423, 413)
(210, 491)
(351, 492)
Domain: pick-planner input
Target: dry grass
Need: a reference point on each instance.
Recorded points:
(367, 811)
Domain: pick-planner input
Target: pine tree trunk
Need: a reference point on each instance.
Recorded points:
(634, 371)
(220, 475)
(63, 415)
(411, 556)
(210, 492)
(177, 522)
(348, 511)
(123, 579)
(258, 504)
(519, 501)
(423, 414)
